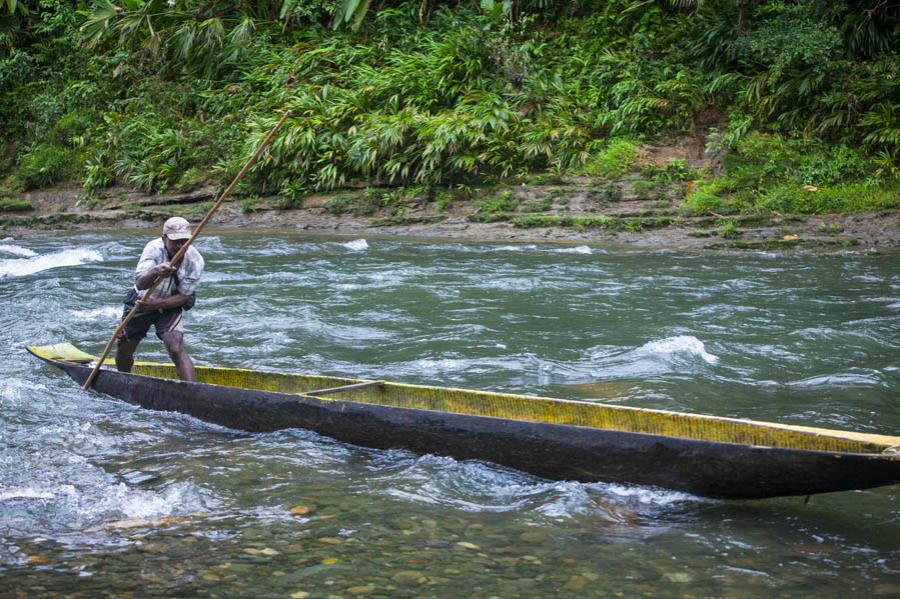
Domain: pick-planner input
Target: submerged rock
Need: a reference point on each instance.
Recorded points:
(361, 590)
(467, 545)
(409, 578)
(575, 583)
(679, 577)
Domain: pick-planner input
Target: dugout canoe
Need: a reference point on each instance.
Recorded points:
(552, 438)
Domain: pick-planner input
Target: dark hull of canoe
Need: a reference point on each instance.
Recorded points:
(553, 451)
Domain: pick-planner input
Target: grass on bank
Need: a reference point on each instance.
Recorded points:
(14, 205)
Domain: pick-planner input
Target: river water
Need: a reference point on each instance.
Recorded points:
(99, 497)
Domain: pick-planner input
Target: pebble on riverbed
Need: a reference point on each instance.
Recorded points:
(409, 578)
(680, 577)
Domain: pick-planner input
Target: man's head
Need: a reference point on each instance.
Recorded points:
(176, 232)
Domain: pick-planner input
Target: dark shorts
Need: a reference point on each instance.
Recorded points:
(164, 320)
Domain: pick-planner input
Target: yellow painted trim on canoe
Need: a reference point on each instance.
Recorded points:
(623, 418)
(61, 351)
(526, 408)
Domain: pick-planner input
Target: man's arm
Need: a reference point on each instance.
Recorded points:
(145, 279)
(173, 301)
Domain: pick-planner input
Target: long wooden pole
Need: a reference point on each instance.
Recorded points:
(178, 256)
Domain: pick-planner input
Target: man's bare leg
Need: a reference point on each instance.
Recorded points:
(125, 354)
(174, 342)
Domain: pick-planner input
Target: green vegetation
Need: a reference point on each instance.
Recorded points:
(14, 205)
(645, 189)
(798, 99)
(538, 205)
(495, 207)
(608, 223)
(610, 192)
(613, 161)
(339, 204)
(249, 204)
(728, 228)
(772, 174)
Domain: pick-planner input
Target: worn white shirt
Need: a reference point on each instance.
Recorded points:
(186, 278)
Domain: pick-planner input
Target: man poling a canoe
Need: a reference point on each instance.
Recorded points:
(165, 306)
(183, 364)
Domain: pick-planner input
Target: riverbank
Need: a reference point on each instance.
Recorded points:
(625, 212)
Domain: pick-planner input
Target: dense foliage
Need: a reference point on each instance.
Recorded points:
(161, 94)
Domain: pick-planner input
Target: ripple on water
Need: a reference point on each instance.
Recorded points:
(414, 312)
(679, 354)
(476, 486)
(843, 338)
(105, 314)
(844, 380)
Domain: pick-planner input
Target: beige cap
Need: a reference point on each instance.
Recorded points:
(177, 228)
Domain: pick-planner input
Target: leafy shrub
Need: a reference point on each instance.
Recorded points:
(97, 175)
(248, 205)
(846, 197)
(550, 178)
(370, 202)
(728, 229)
(498, 204)
(444, 199)
(446, 93)
(678, 170)
(533, 222)
(14, 205)
(44, 164)
(339, 204)
(538, 205)
(633, 225)
(577, 222)
(610, 192)
(762, 159)
(645, 189)
(709, 197)
(831, 229)
(615, 160)
(189, 179)
(777, 174)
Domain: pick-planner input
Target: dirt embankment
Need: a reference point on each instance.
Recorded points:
(629, 212)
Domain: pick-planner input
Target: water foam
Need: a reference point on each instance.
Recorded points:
(15, 388)
(78, 506)
(17, 250)
(357, 245)
(475, 486)
(28, 266)
(581, 249)
(680, 344)
(108, 313)
(651, 496)
(514, 248)
(24, 493)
